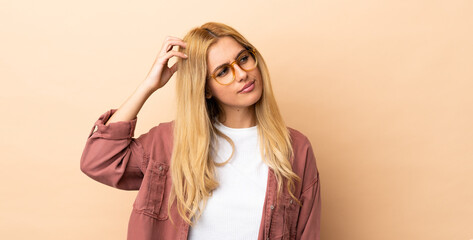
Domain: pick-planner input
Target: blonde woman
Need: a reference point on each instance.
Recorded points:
(227, 166)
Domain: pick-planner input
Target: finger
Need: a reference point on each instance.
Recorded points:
(170, 54)
(170, 39)
(176, 53)
(169, 45)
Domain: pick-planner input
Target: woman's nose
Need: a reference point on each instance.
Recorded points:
(240, 74)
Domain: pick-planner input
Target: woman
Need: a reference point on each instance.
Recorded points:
(227, 167)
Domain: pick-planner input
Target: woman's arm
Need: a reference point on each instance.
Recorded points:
(308, 227)
(157, 77)
(309, 220)
(130, 108)
(111, 155)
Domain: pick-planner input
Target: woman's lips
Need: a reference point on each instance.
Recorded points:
(249, 88)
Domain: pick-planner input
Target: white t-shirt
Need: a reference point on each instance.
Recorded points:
(235, 209)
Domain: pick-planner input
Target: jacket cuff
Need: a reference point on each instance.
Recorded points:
(115, 130)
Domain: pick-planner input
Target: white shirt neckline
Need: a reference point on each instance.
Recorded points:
(235, 130)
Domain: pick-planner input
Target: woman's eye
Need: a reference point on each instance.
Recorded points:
(222, 72)
(244, 59)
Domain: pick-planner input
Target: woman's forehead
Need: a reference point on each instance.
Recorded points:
(223, 51)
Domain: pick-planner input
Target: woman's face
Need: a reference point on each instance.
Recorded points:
(225, 50)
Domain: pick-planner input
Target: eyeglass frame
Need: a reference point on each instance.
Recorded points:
(233, 68)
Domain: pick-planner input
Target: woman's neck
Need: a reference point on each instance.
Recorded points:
(239, 118)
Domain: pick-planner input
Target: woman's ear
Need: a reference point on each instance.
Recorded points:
(208, 95)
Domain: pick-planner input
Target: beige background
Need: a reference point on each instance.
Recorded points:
(383, 89)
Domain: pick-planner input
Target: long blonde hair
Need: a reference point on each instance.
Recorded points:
(192, 166)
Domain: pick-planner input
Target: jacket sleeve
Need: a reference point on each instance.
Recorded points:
(112, 156)
(309, 219)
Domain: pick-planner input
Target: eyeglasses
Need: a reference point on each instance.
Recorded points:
(246, 61)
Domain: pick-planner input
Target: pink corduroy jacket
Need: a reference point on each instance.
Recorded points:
(114, 157)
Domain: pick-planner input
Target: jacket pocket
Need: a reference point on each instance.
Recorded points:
(150, 197)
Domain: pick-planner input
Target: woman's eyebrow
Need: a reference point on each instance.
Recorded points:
(241, 51)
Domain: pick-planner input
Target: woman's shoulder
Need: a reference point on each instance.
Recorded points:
(163, 129)
(163, 132)
(158, 141)
(298, 138)
(304, 162)
(166, 126)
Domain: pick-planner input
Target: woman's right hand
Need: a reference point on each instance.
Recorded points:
(160, 73)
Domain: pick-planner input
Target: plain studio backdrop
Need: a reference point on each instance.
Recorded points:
(383, 90)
